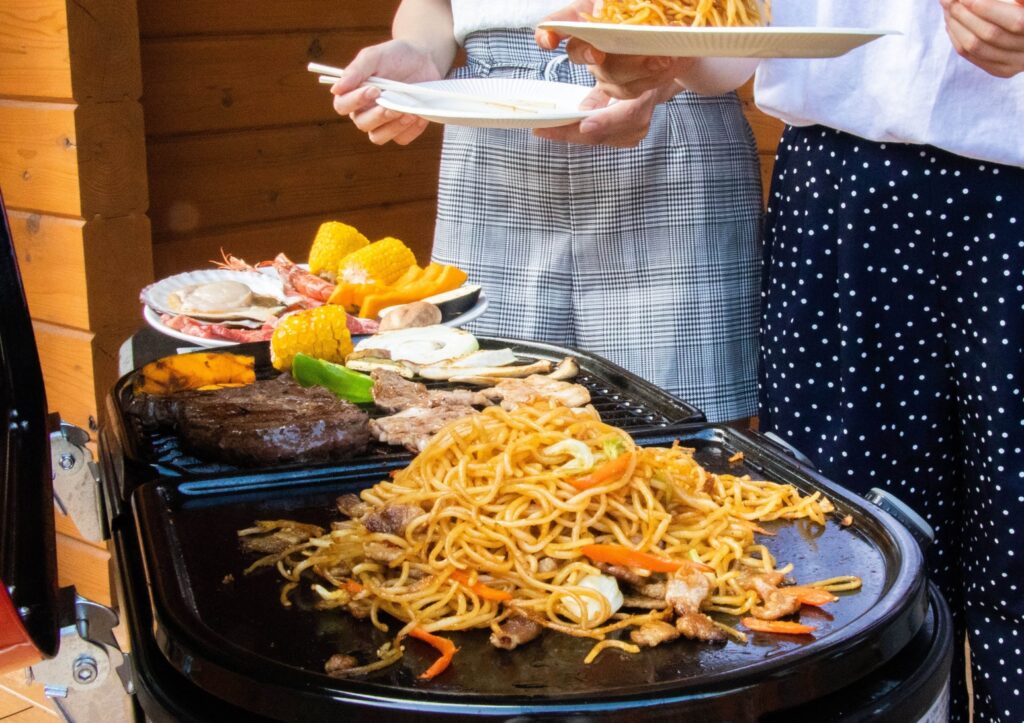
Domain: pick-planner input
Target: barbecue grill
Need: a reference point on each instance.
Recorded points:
(208, 642)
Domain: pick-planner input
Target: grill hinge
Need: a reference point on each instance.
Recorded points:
(90, 678)
(76, 480)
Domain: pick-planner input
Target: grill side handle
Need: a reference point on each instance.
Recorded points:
(904, 513)
(919, 528)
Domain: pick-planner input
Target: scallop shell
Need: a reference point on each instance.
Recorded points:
(156, 296)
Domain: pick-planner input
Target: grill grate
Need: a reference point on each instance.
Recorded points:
(164, 451)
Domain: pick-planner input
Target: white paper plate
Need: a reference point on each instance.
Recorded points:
(153, 319)
(566, 97)
(674, 41)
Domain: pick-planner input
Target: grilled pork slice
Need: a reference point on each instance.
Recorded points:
(654, 633)
(392, 519)
(413, 427)
(351, 506)
(775, 603)
(685, 591)
(513, 393)
(393, 393)
(515, 631)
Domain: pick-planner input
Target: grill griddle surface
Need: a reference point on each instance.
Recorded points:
(208, 610)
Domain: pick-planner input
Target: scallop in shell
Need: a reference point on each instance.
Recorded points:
(218, 295)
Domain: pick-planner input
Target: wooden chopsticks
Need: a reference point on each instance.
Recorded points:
(331, 75)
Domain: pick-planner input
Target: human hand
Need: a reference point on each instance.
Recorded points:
(618, 76)
(396, 60)
(988, 33)
(622, 124)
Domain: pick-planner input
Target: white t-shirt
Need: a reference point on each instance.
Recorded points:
(472, 15)
(911, 88)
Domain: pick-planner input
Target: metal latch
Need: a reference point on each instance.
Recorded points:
(76, 480)
(89, 677)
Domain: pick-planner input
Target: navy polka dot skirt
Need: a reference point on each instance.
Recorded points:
(893, 329)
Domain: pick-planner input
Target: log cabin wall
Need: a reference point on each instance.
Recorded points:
(73, 176)
(244, 149)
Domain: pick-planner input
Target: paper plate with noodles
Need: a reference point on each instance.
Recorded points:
(728, 42)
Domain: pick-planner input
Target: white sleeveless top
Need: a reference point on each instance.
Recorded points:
(473, 15)
(911, 88)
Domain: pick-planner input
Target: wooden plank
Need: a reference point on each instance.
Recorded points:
(62, 259)
(104, 41)
(85, 567)
(38, 162)
(242, 81)
(201, 17)
(412, 222)
(32, 715)
(51, 258)
(66, 356)
(16, 683)
(10, 704)
(34, 48)
(73, 160)
(200, 183)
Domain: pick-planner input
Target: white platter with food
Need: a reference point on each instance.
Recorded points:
(152, 318)
(721, 42)
(218, 295)
(501, 103)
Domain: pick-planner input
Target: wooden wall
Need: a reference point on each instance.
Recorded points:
(73, 176)
(72, 171)
(244, 149)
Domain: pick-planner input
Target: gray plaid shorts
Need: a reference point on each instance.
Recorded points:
(648, 256)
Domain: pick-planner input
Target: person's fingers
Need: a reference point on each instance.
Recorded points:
(595, 99)
(1008, 16)
(583, 53)
(373, 118)
(412, 131)
(359, 69)
(993, 29)
(996, 61)
(356, 100)
(392, 129)
(550, 39)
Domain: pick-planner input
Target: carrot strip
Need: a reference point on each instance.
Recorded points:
(353, 587)
(443, 645)
(606, 472)
(483, 591)
(620, 555)
(782, 627)
(809, 595)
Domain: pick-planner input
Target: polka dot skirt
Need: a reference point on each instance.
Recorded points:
(893, 356)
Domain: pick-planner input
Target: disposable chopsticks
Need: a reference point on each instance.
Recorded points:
(331, 75)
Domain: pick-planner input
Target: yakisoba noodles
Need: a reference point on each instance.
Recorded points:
(510, 513)
(692, 13)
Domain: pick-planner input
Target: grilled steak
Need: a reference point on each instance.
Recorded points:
(266, 423)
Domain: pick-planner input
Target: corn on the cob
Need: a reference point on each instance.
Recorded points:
(321, 333)
(334, 241)
(382, 262)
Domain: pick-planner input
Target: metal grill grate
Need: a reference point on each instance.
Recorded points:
(164, 450)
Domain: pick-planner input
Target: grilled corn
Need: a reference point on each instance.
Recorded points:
(321, 333)
(382, 262)
(334, 241)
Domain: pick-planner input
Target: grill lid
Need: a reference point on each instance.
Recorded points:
(28, 561)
